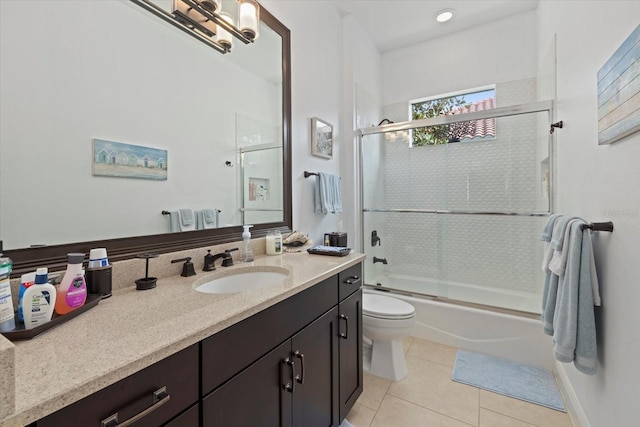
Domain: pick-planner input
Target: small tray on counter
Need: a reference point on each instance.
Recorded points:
(20, 333)
(329, 250)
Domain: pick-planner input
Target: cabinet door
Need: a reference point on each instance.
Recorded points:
(315, 353)
(259, 396)
(189, 418)
(350, 320)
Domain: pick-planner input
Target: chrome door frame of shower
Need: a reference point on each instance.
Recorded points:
(513, 110)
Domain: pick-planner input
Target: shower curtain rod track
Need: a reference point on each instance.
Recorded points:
(454, 212)
(534, 107)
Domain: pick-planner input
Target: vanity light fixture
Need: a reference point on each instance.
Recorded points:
(223, 37)
(205, 20)
(444, 15)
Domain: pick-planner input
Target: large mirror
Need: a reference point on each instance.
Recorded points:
(107, 86)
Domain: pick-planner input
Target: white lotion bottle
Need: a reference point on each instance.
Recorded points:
(38, 301)
(247, 249)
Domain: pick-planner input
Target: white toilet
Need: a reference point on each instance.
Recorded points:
(386, 321)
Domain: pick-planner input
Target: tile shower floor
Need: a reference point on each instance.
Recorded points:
(428, 397)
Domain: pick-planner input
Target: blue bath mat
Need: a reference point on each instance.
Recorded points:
(508, 378)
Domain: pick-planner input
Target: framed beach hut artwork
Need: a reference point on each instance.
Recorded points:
(619, 92)
(321, 138)
(117, 159)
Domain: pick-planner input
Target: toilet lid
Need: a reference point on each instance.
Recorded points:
(385, 307)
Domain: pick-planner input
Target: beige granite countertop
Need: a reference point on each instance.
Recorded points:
(134, 329)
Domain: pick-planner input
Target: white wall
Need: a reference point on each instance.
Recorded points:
(599, 183)
(329, 57)
(468, 59)
(316, 79)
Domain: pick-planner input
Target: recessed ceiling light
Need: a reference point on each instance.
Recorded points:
(444, 15)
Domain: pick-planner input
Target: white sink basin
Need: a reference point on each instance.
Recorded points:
(241, 280)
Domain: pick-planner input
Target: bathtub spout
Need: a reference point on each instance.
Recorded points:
(382, 260)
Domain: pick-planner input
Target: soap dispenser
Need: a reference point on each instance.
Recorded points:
(247, 249)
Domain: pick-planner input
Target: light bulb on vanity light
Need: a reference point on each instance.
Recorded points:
(249, 17)
(223, 37)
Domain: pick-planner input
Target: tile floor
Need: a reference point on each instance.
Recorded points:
(428, 397)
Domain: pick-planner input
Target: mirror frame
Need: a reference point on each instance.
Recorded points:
(55, 256)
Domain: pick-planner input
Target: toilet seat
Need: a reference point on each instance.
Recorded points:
(383, 307)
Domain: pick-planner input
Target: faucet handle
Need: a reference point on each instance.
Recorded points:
(227, 261)
(187, 268)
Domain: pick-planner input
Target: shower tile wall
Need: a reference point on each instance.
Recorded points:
(501, 175)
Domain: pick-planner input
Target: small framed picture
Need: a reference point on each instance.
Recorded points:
(321, 138)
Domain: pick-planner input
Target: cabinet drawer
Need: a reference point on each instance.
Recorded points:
(135, 394)
(349, 281)
(232, 349)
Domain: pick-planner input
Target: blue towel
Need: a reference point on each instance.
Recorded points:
(574, 334)
(327, 195)
(548, 229)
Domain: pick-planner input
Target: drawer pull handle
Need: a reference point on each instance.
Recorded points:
(346, 334)
(352, 280)
(160, 397)
(300, 378)
(290, 386)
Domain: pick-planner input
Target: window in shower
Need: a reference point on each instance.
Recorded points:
(451, 104)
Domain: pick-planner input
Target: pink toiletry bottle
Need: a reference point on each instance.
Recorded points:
(72, 292)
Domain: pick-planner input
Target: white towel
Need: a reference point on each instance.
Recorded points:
(209, 218)
(182, 220)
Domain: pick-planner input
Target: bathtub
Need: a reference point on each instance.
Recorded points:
(508, 336)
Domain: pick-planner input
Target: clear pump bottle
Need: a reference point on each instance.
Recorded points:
(247, 250)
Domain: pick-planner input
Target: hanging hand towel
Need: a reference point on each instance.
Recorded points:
(209, 218)
(327, 195)
(182, 220)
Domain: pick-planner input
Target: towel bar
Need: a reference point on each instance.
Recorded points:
(308, 174)
(599, 226)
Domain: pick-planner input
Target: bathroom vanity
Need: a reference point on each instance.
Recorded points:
(288, 354)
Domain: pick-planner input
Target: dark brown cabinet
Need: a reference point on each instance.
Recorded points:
(296, 384)
(351, 384)
(152, 396)
(297, 363)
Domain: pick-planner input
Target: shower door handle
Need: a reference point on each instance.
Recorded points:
(346, 334)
